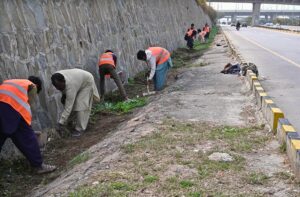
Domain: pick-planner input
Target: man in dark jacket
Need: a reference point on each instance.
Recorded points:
(190, 35)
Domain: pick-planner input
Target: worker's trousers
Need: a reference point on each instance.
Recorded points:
(108, 69)
(13, 126)
(161, 72)
(190, 43)
(82, 120)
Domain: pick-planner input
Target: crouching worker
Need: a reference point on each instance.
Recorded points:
(15, 119)
(78, 91)
(107, 66)
(160, 62)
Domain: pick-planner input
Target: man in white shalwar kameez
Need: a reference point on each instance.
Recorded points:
(78, 92)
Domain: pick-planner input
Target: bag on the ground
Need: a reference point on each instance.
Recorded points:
(249, 66)
(231, 69)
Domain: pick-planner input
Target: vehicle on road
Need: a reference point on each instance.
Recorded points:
(269, 24)
(244, 25)
(232, 24)
(277, 25)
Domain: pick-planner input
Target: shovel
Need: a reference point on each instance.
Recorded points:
(148, 92)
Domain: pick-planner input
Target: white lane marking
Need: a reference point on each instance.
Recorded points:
(271, 51)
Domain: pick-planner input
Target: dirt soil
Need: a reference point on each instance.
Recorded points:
(162, 149)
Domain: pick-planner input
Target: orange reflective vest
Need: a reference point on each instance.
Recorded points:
(190, 32)
(15, 93)
(207, 29)
(162, 55)
(106, 58)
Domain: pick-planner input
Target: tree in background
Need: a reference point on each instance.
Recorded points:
(248, 20)
(286, 21)
(208, 10)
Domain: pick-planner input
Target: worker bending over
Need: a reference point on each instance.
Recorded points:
(78, 91)
(107, 66)
(15, 119)
(190, 35)
(159, 60)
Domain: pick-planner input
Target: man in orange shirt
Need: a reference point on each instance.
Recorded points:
(159, 60)
(190, 35)
(15, 119)
(207, 30)
(107, 67)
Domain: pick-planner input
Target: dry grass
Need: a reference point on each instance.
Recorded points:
(174, 162)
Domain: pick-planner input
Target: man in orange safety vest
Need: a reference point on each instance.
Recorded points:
(159, 60)
(15, 119)
(107, 67)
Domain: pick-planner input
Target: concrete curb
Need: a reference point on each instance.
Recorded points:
(286, 134)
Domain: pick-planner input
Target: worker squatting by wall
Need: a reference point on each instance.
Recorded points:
(39, 37)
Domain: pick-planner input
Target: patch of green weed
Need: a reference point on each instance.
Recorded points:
(106, 189)
(128, 148)
(194, 194)
(257, 178)
(208, 167)
(121, 186)
(119, 107)
(85, 192)
(186, 183)
(239, 139)
(282, 147)
(82, 157)
(150, 179)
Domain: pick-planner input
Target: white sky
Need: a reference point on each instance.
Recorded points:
(248, 6)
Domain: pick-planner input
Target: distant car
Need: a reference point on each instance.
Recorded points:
(244, 25)
(277, 25)
(269, 24)
(232, 24)
(223, 23)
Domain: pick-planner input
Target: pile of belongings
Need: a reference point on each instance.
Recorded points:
(231, 69)
(249, 66)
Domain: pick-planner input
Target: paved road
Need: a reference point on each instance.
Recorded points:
(277, 56)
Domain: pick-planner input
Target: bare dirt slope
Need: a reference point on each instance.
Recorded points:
(163, 150)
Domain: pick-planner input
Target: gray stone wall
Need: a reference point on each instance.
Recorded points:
(39, 37)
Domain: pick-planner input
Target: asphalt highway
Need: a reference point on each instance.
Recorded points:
(277, 55)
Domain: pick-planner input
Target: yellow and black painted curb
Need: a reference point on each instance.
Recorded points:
(281, 127)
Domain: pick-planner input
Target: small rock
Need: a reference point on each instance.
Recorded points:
(220, 157)
(95, 183)
(107, 167)
(271, 192)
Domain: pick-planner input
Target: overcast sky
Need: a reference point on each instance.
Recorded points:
(248, 6)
